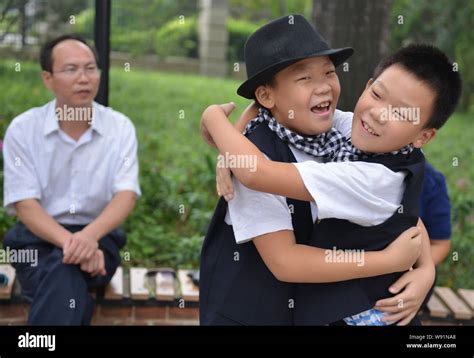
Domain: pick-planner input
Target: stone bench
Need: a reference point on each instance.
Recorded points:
(447, 306)
(163, 296)
(135, 296)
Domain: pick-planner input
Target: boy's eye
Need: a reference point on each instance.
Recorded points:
(375, 94)
(330, 72)
(304, 78)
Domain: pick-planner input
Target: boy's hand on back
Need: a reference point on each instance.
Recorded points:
(405, 250)
(413, 286)
(224, 184)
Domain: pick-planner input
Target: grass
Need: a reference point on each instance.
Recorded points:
(177, 168)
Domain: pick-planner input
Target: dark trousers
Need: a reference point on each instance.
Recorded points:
(58, 292)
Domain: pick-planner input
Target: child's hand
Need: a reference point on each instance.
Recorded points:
(404, 251)
(227, 108)
(208, 114)
(224, 182)
(414, 286)
(206, 135)
(250, 112)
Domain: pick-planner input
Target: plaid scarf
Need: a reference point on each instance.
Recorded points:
(331, 145)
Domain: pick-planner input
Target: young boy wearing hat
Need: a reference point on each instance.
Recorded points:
(418, 77)
(236, 286)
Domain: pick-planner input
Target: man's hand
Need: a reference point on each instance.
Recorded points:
(405, 250)
(413, 287)
(78, 248)
(95, 265)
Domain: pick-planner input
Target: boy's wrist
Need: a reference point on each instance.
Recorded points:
(378, 263)
(388, 263)
(428, 269)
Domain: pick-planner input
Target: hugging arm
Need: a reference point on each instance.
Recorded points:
(224, 186)
(411, 289)
(292, 262)
(268, 176)
(249, 113)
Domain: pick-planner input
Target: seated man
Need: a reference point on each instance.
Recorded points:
(71, 175)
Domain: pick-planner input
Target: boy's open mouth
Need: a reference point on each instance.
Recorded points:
(369, 129)
(321, 108)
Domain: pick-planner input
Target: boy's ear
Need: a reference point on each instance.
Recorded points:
(46, 77)
(264, 96)
(424, 137)
(369, 83)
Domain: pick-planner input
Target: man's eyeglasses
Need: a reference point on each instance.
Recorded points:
(74, 72)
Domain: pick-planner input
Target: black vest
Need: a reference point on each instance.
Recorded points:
(325, 303)
(235, 283)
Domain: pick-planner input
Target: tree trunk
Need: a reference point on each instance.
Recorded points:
(23, 24)
(361, 24)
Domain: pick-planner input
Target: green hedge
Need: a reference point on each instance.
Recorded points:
(134, 42)
(239, 31)
(181, 39)
(175, 38)
(178, 38)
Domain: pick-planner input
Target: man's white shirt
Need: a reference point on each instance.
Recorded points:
(364, 193)
(73, 180)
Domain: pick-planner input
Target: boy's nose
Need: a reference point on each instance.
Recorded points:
(376, 114)
(321, 88)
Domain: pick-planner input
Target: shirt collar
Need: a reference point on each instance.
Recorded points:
(51, 123)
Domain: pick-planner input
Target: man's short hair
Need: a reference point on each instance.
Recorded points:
(46, 54)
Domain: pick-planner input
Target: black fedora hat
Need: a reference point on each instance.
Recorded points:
(281, 43)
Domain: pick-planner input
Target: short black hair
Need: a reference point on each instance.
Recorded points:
(46, 54)
(432, 66)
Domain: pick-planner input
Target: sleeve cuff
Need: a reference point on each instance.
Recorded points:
(10, 199)
(127, 186)
(243, 236)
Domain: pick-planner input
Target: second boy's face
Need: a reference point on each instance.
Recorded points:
(304, 96)
(392, 112)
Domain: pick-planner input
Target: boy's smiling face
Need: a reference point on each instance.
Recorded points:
(303, 96)
(392, 112)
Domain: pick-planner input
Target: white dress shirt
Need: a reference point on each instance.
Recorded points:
(72, 180)
(373, 200)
